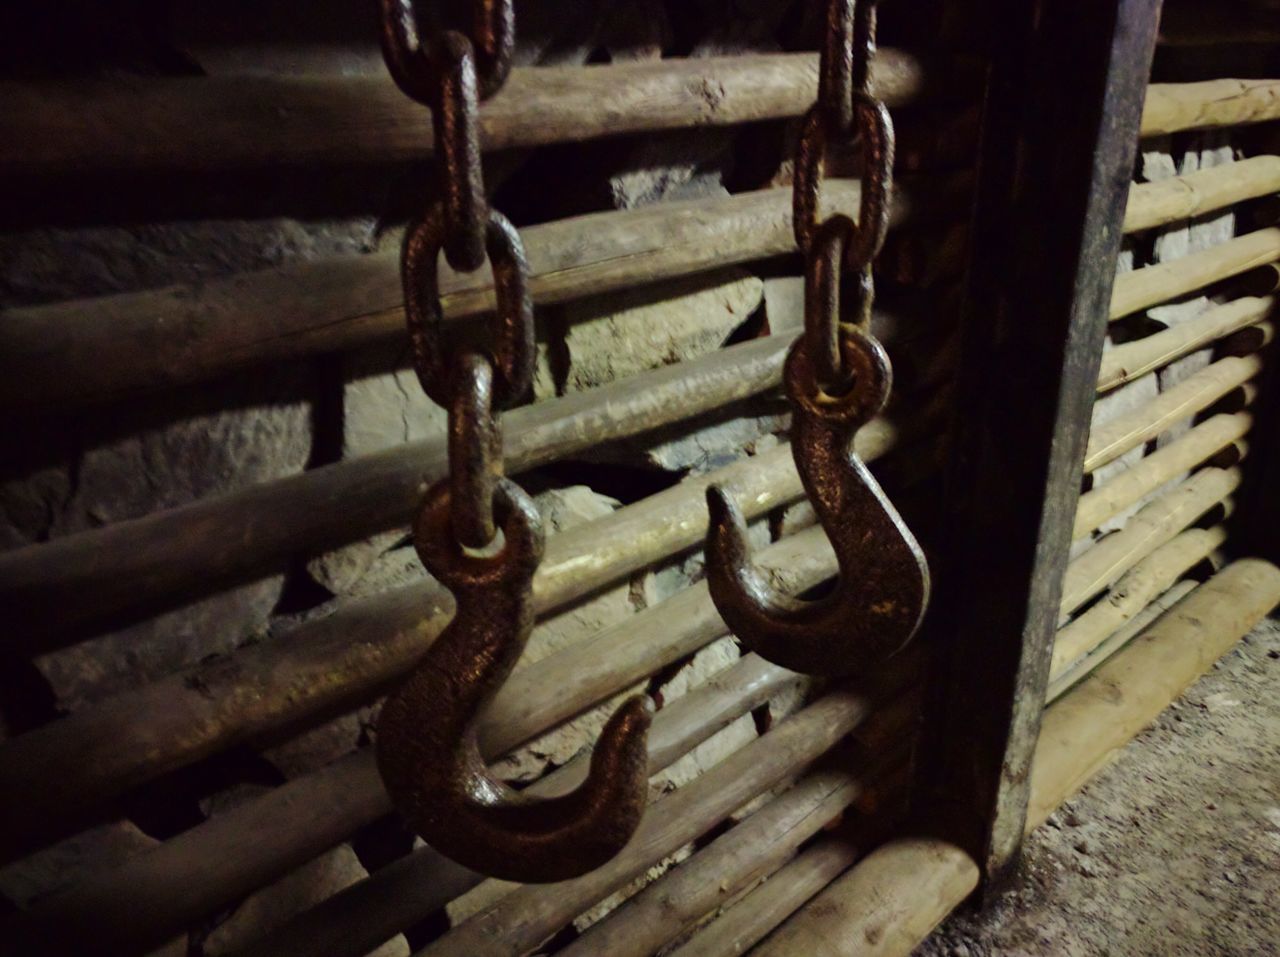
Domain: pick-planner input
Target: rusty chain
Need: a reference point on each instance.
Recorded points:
(478, 533)
(837, 377)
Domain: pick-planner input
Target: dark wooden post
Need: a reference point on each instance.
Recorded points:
(1060, 134)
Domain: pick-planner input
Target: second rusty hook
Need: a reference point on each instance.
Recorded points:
(879, 600)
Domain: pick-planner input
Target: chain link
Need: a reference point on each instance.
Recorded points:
(838, 252)
(452, 73)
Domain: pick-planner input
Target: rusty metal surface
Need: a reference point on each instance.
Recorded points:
(837, 377)
(883, 587)
(478, 533)
(427, 751)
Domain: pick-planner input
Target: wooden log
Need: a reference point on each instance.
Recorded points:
(751, 919)
(1249, 340)
(101, 348)
(58, 591)
(1132, 360)
(353, 654)
(275, 850)
(144, 123)
(1186, 197)
(884, 906)
(1153, 525)
(1194, 394)
(1082, 667)
(1152, 285)
(1201, 443)
(1139, 586)
(1087, 727)
(360, 918)
(530, 914)
(1173, 107)
(894, 897)
(750, 850)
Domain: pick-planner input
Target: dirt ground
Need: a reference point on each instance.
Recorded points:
(1173, 850)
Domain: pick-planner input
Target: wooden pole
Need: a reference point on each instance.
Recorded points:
(1152, 285)
(752, 918)
(1132, 360)
(1174, 107)
(356, 652)
(101, 348)
(530, 914)
(750, 850)
(1155, 524)
(62, 590)
(360, 918)
(1081, 667)
(217, 123)
(1194, 394)
(884, 906)
(1186, 197)
(98, 910)
(1087, 727)
(1139, 586)
(891, 900)
(69, 353)
(1200, 444)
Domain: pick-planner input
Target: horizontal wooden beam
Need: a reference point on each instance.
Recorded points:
(1194, 194)
(218, 123)
(1211, 104)
(891, 900)
(65, 354)
(62, 590)
(354, 653)
(1153, 285)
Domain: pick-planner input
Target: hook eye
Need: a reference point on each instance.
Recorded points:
(870, 371)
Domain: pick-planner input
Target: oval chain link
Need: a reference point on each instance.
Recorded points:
(838, 252)
(452, 73)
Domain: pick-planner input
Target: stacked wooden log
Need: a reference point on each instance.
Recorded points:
(1130, 610)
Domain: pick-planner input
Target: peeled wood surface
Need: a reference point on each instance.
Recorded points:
(528, 915)
(1081, 667)
(1153, 525)
(1185, 197)
(1173, 107)
(1139, 586)
(749, 850)
(1132, 360)
(893, 898)
(216, 123)
(1085, 729)
(885, 906)
(753, 917)
(1152, 285)
(359, 918)
(1145, 476)
(100, 348)
(104, 749)
(60, 590)
(1194, 394)
(584, 675)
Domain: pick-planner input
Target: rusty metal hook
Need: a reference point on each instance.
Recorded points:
(883, 587)
(428, 753)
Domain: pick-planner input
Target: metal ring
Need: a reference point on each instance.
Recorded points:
(824, 268)
(512, 346)
(875, 126)
(457, 569)
(868, 366)
(475, 450)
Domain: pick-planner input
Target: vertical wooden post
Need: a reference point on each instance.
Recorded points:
(1066, 86)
